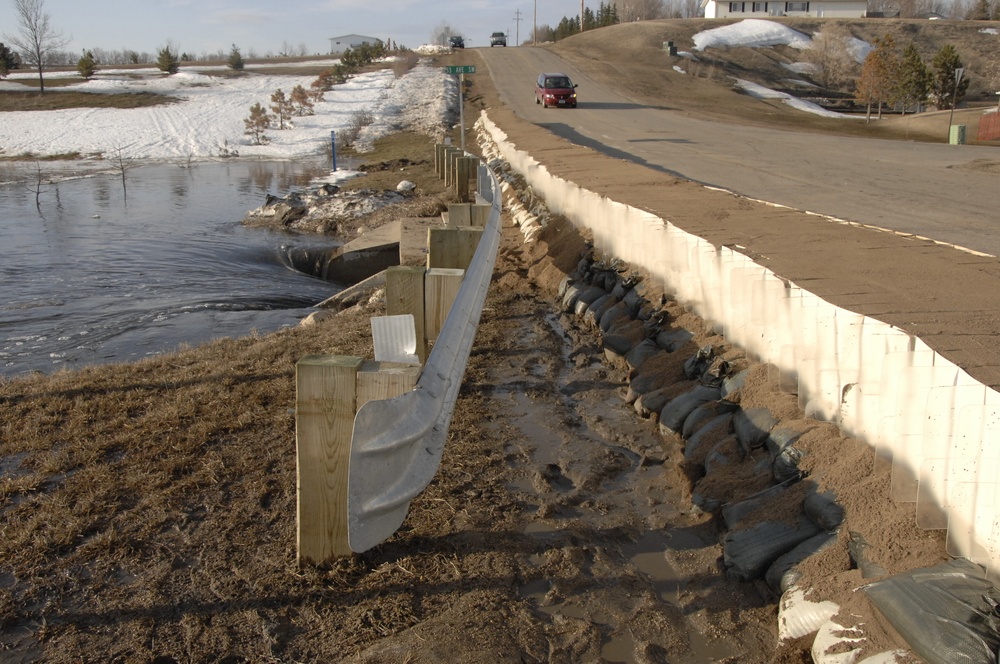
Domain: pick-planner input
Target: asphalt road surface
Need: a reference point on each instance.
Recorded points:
(950, 193)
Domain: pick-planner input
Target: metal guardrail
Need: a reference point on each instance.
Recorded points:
(397, 443)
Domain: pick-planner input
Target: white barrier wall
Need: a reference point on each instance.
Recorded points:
(935, 423)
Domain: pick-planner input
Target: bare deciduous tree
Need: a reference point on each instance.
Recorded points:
(639, 10)
(830, 52)
(36, 38)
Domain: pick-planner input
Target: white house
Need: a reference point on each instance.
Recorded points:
(340, 44)
(754, 9)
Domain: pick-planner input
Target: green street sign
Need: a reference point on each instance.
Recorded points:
(460, 69)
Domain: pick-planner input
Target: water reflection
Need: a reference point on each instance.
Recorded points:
(91, 274)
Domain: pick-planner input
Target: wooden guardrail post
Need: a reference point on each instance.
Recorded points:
(452, 247)
(404, 294)
(479, 214)
(325, 404)
(450, 155)
(441, 290)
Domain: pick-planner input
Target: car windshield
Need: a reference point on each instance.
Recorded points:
(558, 82)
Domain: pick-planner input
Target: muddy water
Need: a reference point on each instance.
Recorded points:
(601, 497)
(94, 271)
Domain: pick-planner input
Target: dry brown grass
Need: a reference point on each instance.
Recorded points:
(54, 100)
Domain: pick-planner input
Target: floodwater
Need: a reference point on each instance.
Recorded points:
(96, 271)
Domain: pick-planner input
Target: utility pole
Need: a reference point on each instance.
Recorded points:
(581, 16)
(534, 29)
(517, 26)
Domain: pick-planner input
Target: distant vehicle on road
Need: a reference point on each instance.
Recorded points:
(456, 41)
(555, 89)
(498, 39)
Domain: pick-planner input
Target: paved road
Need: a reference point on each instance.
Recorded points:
(944, 192)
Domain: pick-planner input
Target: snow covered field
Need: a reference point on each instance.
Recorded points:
(208, 121)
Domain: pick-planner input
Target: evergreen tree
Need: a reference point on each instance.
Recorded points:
(914, 82)
(235, 59)
(282, 107)
(167, 61)
(257, 123)
(87, 65)
(301, 101)
(943, 89)
(9, 60)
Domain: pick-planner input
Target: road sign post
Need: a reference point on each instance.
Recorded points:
(461, 71)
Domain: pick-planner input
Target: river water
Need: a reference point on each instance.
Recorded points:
(97, 272)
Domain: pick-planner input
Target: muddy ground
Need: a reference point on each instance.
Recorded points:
(148, 510)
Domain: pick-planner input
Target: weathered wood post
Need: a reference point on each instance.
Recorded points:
(329, 391)
(325, 404)
(442, 289)
(404, 294)
(452, 247)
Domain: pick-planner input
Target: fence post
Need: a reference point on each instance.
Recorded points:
(325, 404)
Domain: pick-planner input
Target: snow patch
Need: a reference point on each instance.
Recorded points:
(751, 32)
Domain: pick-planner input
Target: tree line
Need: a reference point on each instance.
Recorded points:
(899, 78)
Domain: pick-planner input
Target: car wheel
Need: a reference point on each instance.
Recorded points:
(537, 100)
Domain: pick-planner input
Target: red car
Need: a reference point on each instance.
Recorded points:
(555, 90)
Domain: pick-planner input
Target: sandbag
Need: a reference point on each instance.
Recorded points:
(752, 427)
(672, 340)
(823, 510)
(597, 309)
(706, 413)
(709, 432)
(652, 402)
(721, 455)
(733, 383)
(782, 574)
(641, 352)
(781, 437)
(613, 315)
(946, 613)
(785, 466)
(696, 365)
(620, 339)
(733, 513)
(573, 292)
(798, 615)
(677, 410)
(748, 553)
(586, 298)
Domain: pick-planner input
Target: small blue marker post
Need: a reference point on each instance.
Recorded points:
(333, 149)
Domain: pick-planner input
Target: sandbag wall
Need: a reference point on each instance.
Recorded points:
(696, 397)
(874, 381)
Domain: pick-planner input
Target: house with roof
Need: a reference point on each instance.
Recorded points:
(766, 8)
(340, 44)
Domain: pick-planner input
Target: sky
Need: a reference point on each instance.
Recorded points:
(199, 27)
